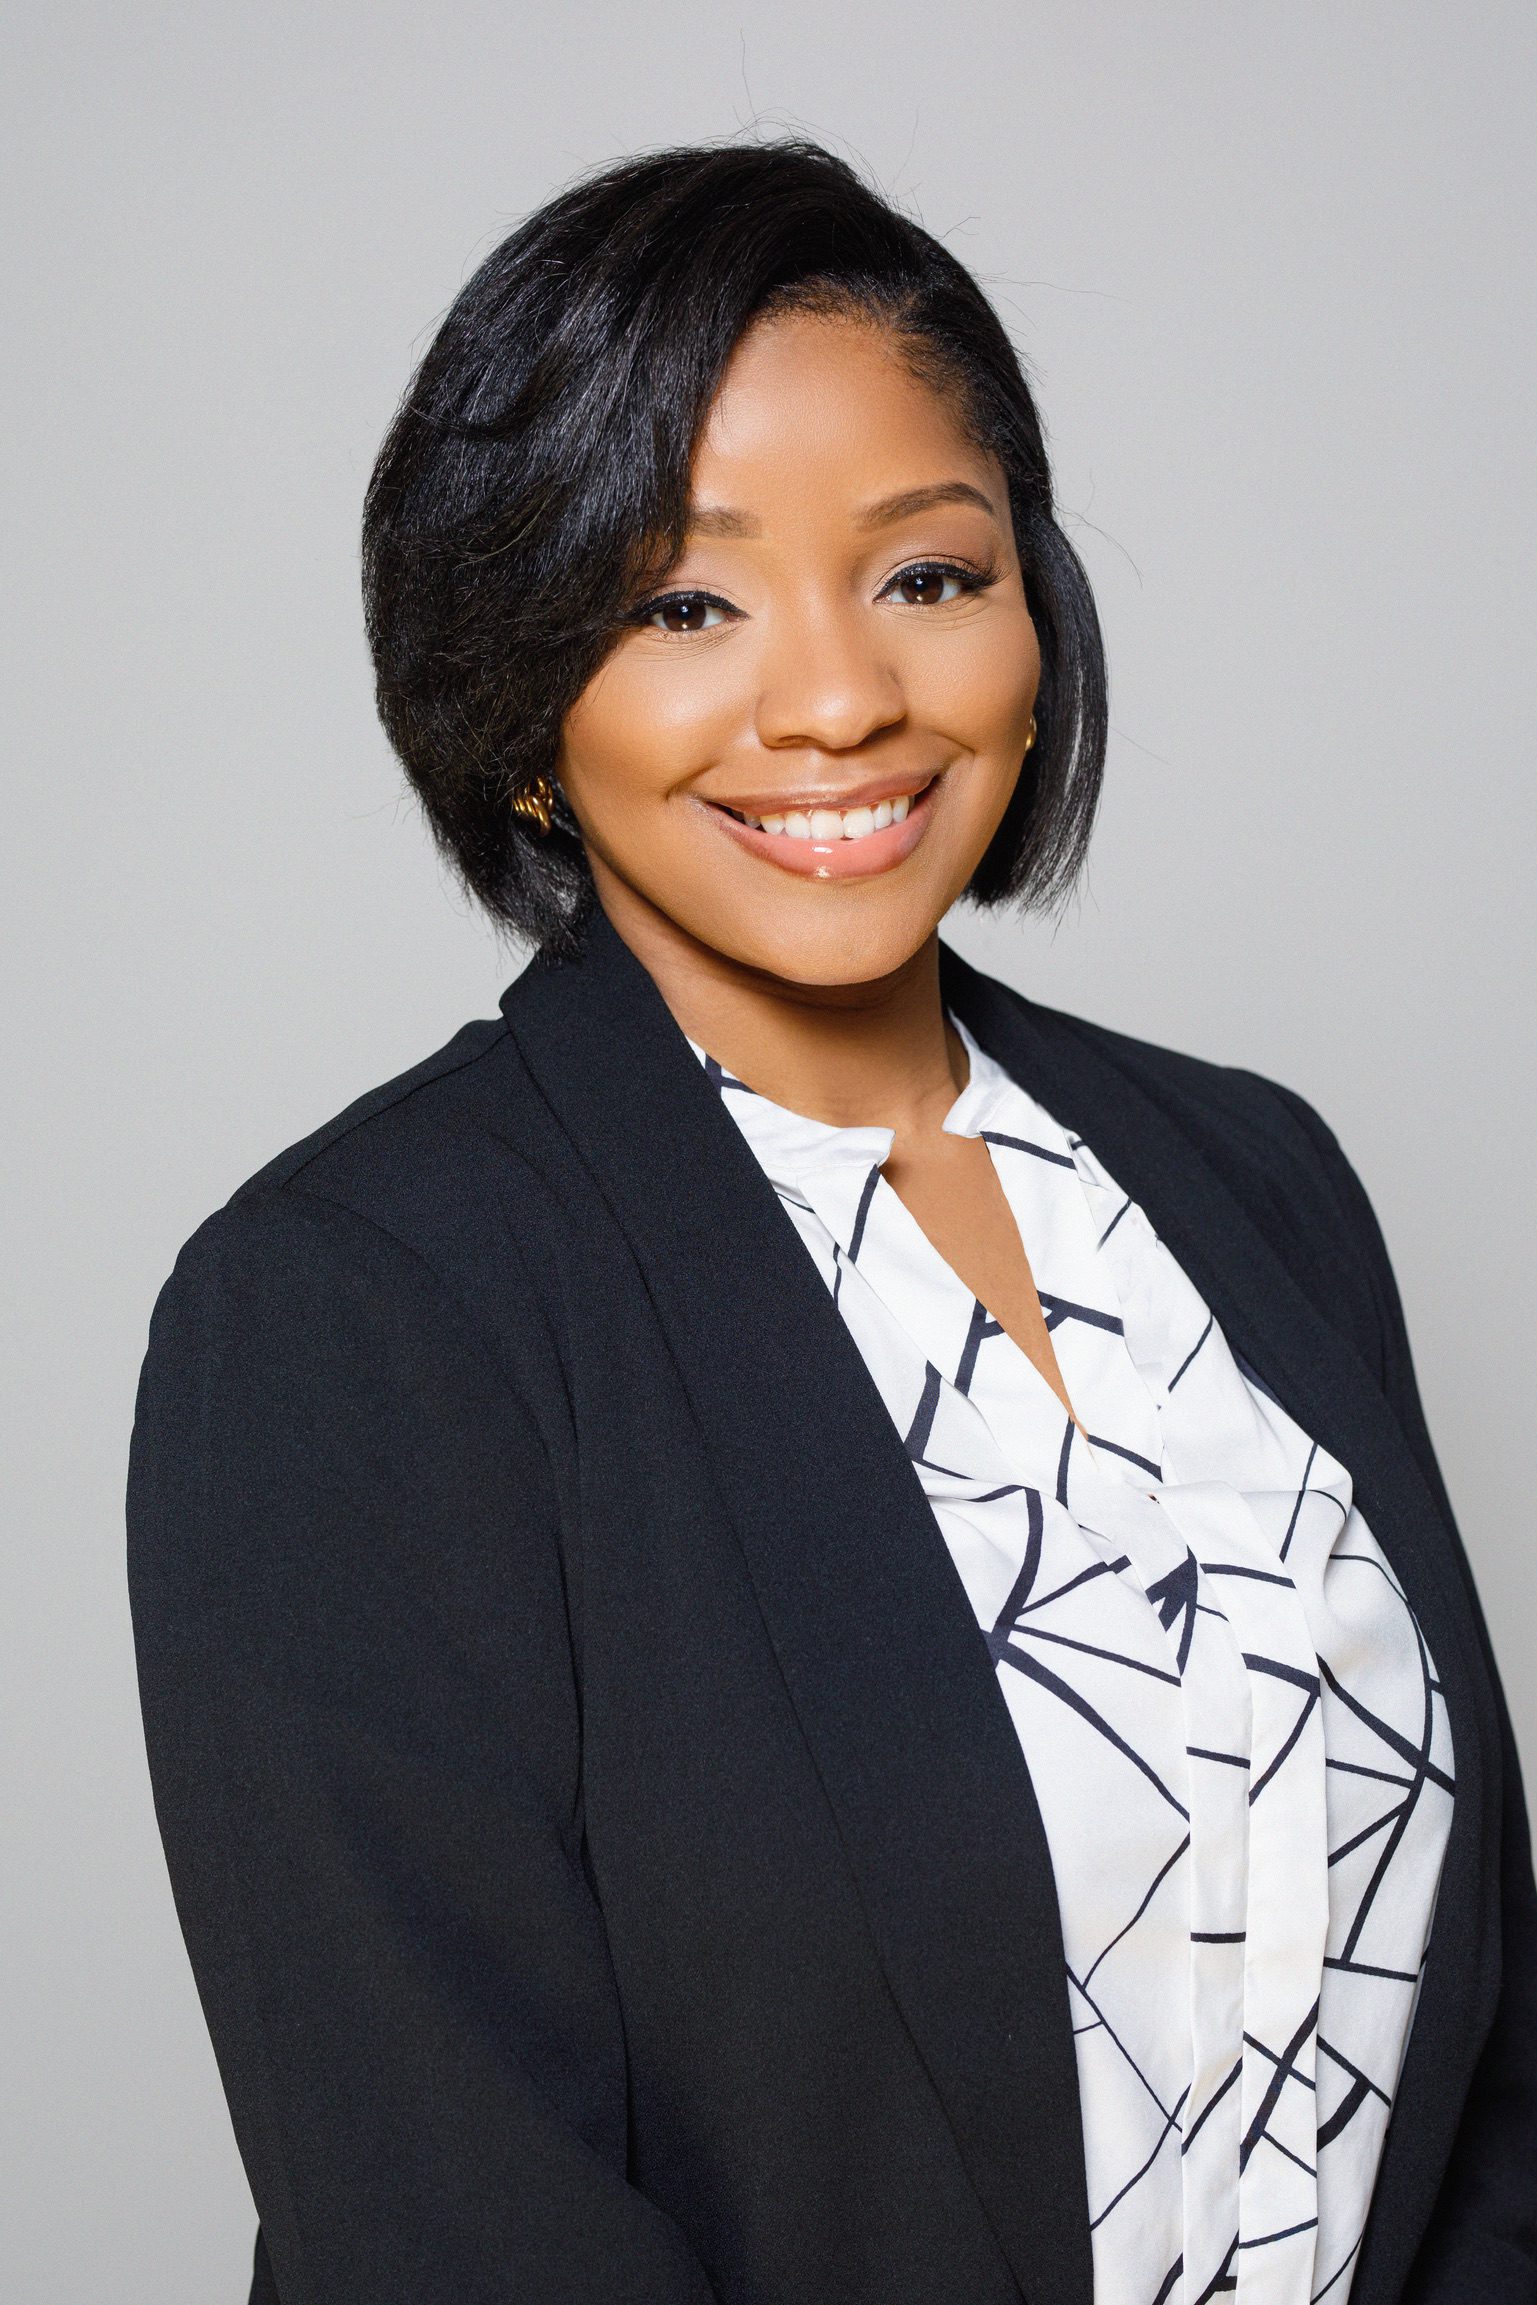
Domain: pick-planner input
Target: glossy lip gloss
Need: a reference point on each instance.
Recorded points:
(835, 859)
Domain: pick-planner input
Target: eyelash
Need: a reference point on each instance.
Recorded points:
(972, 581)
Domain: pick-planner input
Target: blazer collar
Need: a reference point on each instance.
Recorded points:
(890, 1677)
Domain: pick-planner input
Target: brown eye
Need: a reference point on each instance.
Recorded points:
(686, 612)
(922, 587)
(933, 586)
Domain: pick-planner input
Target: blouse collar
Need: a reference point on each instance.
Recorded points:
(797, 1150)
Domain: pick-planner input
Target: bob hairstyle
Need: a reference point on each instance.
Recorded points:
(536, 478)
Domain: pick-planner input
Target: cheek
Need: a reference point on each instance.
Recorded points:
(980, 689)
(644, 723)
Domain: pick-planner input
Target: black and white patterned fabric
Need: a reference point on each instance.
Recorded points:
(1232, 1724)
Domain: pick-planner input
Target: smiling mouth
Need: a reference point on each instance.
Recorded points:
(829, 824)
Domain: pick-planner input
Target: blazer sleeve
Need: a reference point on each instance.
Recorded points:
(362, 1718)
(1481, 2246)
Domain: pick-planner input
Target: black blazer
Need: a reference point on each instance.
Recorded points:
(609, 1867)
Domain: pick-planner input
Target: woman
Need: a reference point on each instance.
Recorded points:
(800, 1640)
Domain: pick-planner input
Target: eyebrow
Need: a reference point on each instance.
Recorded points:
(911, 500)
(722, 520)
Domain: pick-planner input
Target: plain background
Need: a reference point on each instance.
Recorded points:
(1272, 268)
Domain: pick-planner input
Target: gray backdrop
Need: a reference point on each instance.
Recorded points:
(1272, 265)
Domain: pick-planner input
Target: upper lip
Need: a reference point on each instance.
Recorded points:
(866, 794)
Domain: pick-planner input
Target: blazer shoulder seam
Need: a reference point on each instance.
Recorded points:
(286, 1167)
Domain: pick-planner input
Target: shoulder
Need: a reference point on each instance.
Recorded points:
(427, 1153)
(415, 1139)
(424, 1208)
(435, 1089)
(1259, 1134)
(1222, 1101)
(1271, 1147)
(1178, 1125)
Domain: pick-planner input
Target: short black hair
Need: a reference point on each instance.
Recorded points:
(538, 468)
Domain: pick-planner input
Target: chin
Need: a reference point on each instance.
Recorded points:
(841, 953)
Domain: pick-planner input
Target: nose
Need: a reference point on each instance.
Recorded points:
(826, 682)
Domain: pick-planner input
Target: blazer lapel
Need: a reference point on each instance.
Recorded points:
(889, 1675)
(1324, 1384)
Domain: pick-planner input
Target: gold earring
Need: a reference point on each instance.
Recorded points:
(535, 801)
(1030, 734)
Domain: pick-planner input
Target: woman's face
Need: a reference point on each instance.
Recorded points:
(800, 749)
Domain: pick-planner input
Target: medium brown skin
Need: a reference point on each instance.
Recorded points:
(848, 622)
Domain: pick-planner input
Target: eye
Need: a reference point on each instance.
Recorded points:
(934, 583)
(685, 612)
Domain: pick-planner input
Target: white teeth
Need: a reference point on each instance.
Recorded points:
(829, 824)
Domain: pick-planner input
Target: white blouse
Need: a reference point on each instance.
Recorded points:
(1233, 1726)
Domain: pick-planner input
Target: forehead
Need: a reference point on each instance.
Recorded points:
(831, 404)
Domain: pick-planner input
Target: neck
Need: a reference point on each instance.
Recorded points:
(853, 1055)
